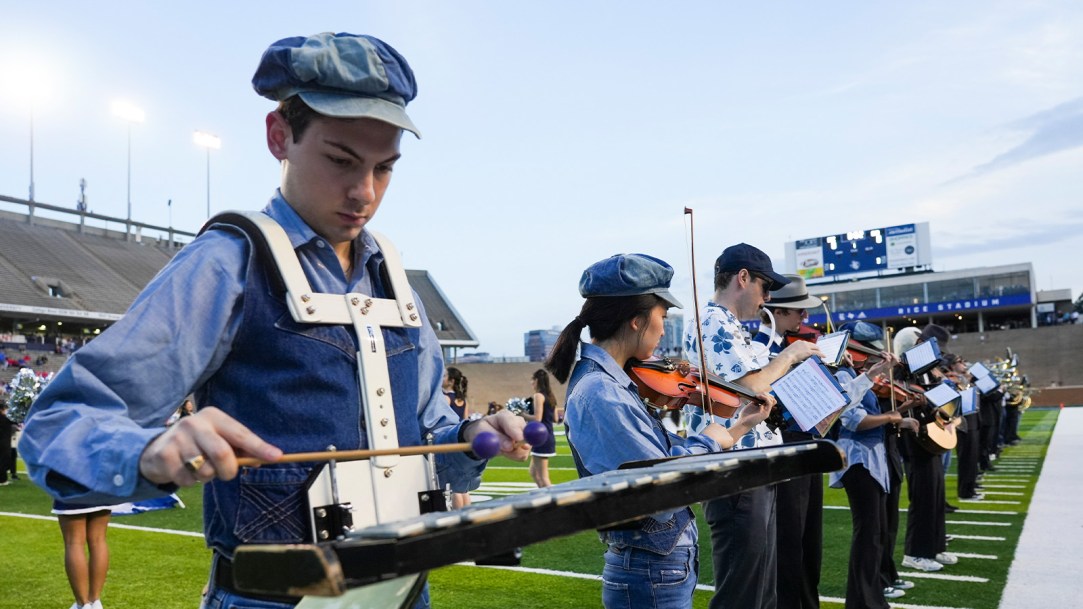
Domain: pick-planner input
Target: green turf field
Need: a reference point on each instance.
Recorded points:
(167, 569)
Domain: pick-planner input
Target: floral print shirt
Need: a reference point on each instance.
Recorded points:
(730, 354)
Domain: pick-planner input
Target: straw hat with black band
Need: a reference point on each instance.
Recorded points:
(793, 295)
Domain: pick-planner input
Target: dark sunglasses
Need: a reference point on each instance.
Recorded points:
(765, 283)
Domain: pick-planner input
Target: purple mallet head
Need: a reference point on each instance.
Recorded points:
(486, 445)
(535, 433)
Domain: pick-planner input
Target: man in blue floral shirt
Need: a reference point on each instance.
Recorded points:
(742, 525)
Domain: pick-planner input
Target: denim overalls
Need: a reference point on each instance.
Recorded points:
(296, 386)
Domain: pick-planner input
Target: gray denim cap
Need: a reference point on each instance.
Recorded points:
(628, 275)
(340, 75)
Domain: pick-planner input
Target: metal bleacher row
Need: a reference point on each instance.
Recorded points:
(49, 267)
(97, 273)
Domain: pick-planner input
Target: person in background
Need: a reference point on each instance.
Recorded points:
(454, 388)
(799, 502)
(867, 476)
(7, 456)
(186, 409)
(926, 544)
(654, 561)
(544, 410)
(968, 447)
(86, 550)
(743, 525)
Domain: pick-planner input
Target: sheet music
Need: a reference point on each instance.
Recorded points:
(833, 345)
(970, 401)
(809, 393)
(978, 370)
(941, 394)
(922, 356)
(986, 384)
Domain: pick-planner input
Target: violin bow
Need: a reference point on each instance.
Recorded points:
(827, 314)
(707, 401)
(891, 376)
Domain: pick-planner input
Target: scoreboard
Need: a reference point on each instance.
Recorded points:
(857, 252)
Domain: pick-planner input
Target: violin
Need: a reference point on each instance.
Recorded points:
(900, 392)
(670, 385)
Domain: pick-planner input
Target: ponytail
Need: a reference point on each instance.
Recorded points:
(562, 356)
(458, 382)
(604, 316)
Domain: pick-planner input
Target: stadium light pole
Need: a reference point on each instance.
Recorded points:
(30, 85)
(130, 114)
(31, 152)
(210, 142)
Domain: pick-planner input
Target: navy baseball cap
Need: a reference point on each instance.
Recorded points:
(744, 256)
(340, 75)
(628, 275)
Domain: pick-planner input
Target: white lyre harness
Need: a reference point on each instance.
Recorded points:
(390, 484)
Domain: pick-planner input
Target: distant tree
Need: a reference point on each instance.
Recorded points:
(1079, 304)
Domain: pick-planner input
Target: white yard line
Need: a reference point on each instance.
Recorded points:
(944, 576)
(978, 537)
(979, 523)
(700, 587)
(978, 556)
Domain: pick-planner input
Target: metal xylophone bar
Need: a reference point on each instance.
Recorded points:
(438, 539)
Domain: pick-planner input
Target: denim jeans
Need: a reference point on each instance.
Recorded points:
(634, 578)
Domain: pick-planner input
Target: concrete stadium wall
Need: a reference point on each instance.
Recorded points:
(499, 382)
(1047, 355)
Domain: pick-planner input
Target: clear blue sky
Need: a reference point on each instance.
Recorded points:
(559, 133)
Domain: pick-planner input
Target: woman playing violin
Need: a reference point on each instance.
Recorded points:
(868, 478)
(652, 562)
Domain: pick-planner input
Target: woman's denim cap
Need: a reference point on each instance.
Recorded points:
(628, 275)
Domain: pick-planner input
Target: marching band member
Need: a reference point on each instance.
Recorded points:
(967, 449)
(742, 525)
(799, 502)
(210, 323)
(652, 562)
(867, 478)
(926, 545)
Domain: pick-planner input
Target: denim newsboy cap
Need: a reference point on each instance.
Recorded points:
(744, 256)
(865, 333)
(340, 75)
(628, 275)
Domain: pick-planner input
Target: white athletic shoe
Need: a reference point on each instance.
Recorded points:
(921, 564)
(892, 592)
(947, 558)
(903, 584)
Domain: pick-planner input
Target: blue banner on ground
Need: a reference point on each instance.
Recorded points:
(147, 505)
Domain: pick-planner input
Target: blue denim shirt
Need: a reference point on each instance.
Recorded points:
(867, 446)
(607, 425)
(86, 431)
